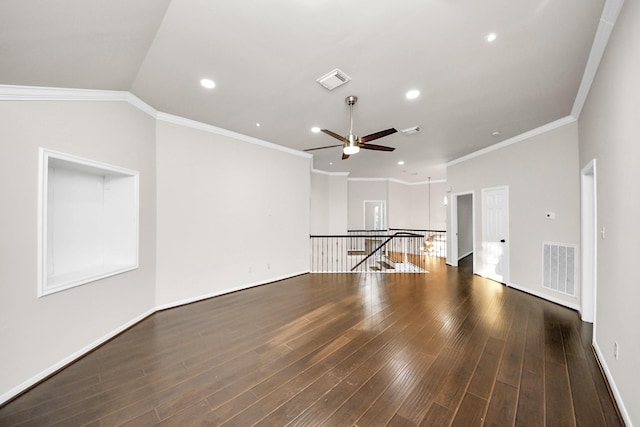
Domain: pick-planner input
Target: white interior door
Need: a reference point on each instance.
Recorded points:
(495, 234)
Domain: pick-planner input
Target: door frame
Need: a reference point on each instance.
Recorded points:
(589, 243)
(384, 213)
(452, 253)
(507, 256)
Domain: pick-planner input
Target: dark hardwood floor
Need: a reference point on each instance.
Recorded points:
(439, 349)
(465, 265)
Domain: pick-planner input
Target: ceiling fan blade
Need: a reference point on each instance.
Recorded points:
(335, 135)
(345, 156)
(376, 147)
(320, 148)
(378, 135)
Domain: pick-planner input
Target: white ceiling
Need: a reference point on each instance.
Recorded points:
(265, 57)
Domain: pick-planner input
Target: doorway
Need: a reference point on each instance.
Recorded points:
(462, 231)
(375, 215)
(588, 234)
(465, 232)
(494, 259)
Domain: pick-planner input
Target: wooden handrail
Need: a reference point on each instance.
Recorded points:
(400, 233)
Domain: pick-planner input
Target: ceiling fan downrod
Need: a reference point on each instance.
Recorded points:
(351, 100)
(351, 143)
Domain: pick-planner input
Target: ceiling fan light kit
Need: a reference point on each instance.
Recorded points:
(352, 143)
(350, 148)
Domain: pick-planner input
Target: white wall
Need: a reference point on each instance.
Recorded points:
(610, 133)
(329, 197)
(38, 334)
(418, 206)
(230, 213)
(438, 211)
(543, 175)
(465, 225)
(398, 205)
(338, 204)
(407, 203)
(359, 191)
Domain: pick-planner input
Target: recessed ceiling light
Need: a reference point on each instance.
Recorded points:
(331, 163)
(411, 130)
(208, 83)
(401, 162)
(496, 133)
(412, 94)
(315, 129)
(491, 37)
(257, 125)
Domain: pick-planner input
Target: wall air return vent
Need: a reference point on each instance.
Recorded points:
(411, 130)
(559, 263)
(333, 79)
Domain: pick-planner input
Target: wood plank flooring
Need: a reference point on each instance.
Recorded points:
(440, 349)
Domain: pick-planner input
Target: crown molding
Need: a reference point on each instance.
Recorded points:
(611, 11)
(608, 19)
(141, 105)
(609, 16)
(368, 179)
(398, 181)
(433, 181)
(39, 93)
(193, 124)
(518, 138)
(321, 172)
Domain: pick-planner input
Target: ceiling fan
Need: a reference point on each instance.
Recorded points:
(352, 143)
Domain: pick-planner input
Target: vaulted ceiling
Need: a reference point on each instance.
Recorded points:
(265, 57)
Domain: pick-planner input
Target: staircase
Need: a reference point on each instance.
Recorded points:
(371, 251)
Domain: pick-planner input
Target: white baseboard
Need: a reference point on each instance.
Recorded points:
(547, 297)
(612, 385)
(603, 363)
(71, 358)
(226, 291)
(5, 397)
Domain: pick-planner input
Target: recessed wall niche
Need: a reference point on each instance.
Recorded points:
(88, 221)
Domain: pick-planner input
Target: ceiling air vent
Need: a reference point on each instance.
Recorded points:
(333, 79)
(411, 130)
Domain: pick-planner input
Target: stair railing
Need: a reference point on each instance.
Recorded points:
(399, 233)
(405, 252)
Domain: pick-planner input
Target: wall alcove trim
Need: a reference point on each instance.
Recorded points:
(87, 221)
